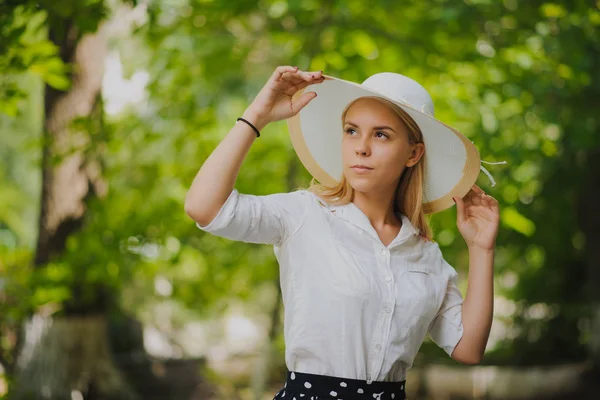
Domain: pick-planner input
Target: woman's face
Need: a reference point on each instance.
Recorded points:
(374, 136)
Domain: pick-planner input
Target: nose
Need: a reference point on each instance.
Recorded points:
(362, 148)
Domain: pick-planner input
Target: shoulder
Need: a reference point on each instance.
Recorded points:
(295, 201)
(431, 247)
(436, 258)
(308, 198)
(300, 196)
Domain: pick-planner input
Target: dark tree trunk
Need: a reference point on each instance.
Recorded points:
(69, 354)
(68, 179)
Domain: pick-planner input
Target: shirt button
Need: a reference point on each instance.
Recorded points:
(388, 310)
(378, 346)
(388, 278)
(382, 250)
(368, 377)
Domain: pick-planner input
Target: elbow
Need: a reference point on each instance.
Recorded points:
(189, 210)
(469, 360)
(193, 212)
(202, 210)
(199, 216)
(473, 361)
(466, 358)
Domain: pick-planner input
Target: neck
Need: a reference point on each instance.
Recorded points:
(378, 207)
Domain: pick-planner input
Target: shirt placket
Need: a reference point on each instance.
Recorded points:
(382, 328)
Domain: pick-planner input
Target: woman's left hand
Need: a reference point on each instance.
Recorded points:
(477, 218)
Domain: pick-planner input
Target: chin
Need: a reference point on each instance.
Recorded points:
(364, 185)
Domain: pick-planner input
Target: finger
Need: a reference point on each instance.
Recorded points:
(460, 210)
(485, 199)
(473, 198)
(315, 76)
(302, 77)
(279, 71)
(289, 81)
(295, 78)
(491, 203)
(477, 190)
(479, 194)
(302, 102)
(311, 76)
(469, 202)
(292, 78)
(304, 84)
(495, 207)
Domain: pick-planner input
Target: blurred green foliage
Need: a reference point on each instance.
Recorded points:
(520, 79)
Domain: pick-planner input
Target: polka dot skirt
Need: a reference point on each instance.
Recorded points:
(304, 386)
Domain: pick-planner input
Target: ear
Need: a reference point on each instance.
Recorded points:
(417, 152)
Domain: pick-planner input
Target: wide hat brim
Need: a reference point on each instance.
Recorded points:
(452, 162)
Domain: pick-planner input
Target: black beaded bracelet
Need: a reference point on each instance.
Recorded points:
(253, 127)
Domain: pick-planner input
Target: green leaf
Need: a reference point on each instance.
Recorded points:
(511, 218)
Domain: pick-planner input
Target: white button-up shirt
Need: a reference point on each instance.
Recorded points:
(354, 308)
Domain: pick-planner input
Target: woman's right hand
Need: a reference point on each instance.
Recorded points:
(274, 101)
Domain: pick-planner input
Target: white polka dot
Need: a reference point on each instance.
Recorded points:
(307, 385)
(393, 395)
(343, 384)
(301, 394)
(293, 375)
(333, 393)
(283, 395)
(402, 387)
(360, 391)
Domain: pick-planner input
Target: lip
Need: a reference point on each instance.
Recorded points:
(361, 169)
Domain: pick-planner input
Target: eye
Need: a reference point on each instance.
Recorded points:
(347, 130)
(382, 134)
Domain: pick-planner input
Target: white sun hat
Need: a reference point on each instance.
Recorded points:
(452, 162)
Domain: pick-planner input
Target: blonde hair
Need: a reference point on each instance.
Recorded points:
(409, 193)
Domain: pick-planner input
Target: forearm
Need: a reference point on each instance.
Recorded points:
(478, 305)
(216, 178)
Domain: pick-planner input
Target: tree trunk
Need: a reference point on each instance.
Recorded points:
(68, 179)
(66, 358)
(69, 356)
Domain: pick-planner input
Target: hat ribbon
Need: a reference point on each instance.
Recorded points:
(492, 181)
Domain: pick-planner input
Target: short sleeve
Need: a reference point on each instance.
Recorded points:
(446, 329)
(267, 219)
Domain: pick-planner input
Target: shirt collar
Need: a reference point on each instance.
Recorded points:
(351, 213)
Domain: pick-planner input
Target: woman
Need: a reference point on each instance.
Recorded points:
(362, 280)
